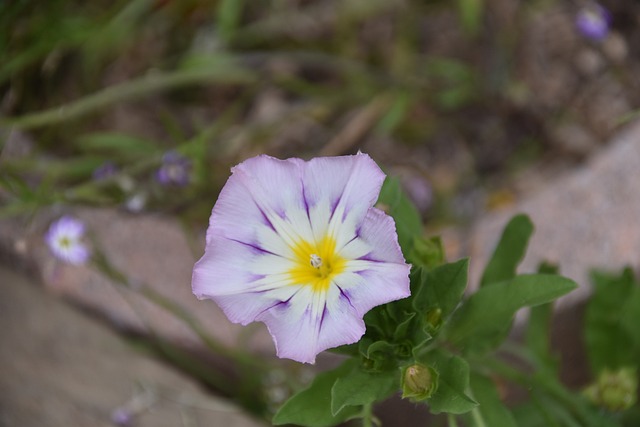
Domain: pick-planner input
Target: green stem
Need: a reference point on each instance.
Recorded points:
(477, 417)
(452, 421)
(179, 311)
(122, 92)
(367, 415)
(104, 266)
(222, 74)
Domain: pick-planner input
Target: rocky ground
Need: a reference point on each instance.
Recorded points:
(61, 366)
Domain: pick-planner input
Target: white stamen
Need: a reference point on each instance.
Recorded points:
(316, 261)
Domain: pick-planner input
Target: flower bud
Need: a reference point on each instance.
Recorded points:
(434, 318)
(419, 382)
(614, 390)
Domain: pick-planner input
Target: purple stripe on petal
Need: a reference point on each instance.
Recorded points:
(252, 278)
(255, 247)
(352, 239)
(369, 258)
(281, 305)
(306, 202)
(322, 316)
(334, 206)
(345, 295)
(266, 219)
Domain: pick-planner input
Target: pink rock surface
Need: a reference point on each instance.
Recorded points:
(62, 368)
(150, 250)
(587, 219)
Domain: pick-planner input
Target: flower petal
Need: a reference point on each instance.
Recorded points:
(350, 184)
(76, 254)
(377, 236)
(262, 197)
(246, 307)
(312, 322)
(377, 273)
(67, 226)
(374, 284)
(231, 267)
(342, 323)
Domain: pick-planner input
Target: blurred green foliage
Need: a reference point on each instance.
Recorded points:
(195, 75)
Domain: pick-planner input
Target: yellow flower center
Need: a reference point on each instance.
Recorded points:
(64, 242)
(317, 263)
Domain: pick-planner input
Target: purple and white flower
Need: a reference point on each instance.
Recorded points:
(593, 21)
(175, 169)
(122, 417)
(299, 246)
(64, 238)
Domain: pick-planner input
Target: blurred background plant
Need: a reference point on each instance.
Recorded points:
(145, 104)
(453, 97)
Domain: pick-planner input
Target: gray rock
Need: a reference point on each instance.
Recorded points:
(60, 367)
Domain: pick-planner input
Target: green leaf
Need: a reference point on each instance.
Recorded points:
(631, 417)
(228, 17)
(408, 223)
(453, 381)
(312, 406)
(379, 355)
(543, 411)
(427, 253)
(455, 81)
(398, 312)
(439, 289)
(546, 267)
(611, 321)
(376, 321)
(494, 412)
(347, 349)
(487, 314)
(397, 112)
(381, 347)
(360, 387)
(537, 335)
(629, 319)
(509, 252)
(538, 330)
(404, 328)
(219, 66)
(471, 12)
(118, 144)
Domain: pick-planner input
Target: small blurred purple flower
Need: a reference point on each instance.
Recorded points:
(121, 417)
(105, 170)
(64, 240)
(419, 191)
(592, 21)
(175, 169)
